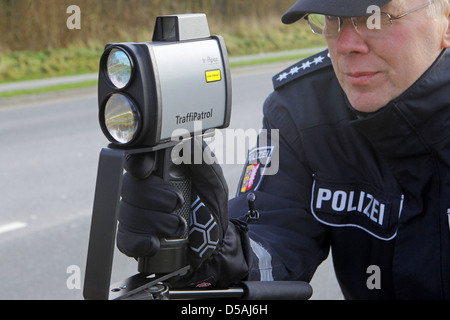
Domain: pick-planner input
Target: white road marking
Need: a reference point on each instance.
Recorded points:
(12, 226)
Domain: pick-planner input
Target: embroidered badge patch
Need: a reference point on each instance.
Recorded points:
(249, 177)
(258, 161)
(356, 205)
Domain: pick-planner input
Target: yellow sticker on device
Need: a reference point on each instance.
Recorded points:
(213, 76)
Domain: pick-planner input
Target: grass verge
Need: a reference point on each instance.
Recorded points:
(56, 88)
(92, 83)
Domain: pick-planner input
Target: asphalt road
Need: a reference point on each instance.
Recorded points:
(48, 164)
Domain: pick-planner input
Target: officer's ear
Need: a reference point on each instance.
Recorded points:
(446, 36)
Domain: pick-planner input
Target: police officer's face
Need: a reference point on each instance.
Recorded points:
(373, 70)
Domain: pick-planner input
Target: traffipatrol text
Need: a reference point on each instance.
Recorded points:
(342, 201)
(194, 116)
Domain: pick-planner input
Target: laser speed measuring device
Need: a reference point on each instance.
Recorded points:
(148, 90)
(148, 93)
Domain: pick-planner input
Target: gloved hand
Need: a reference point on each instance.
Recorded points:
(219, 249)
(145, 217)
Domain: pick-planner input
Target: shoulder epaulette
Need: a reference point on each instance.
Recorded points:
(302, 68)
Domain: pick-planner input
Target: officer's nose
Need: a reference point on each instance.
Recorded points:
(349, 40)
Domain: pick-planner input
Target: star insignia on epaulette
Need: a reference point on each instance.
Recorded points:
(301, 68)
(282, 76)
(294, 70)
(305, 65)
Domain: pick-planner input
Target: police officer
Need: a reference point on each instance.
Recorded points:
(364, 164)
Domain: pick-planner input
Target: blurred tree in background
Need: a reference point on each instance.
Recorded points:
(35, 41)
(41, 24)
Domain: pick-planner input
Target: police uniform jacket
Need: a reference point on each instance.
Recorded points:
(375, 187)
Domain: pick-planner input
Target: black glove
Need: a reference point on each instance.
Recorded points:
(219, 249)
(145, 217)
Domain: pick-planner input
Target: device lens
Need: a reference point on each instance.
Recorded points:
(119, 68)
(121, 118)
